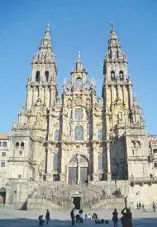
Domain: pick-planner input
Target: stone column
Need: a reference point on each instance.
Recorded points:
(108, 162)
(64, 172)
(130, 95)
(95, 165)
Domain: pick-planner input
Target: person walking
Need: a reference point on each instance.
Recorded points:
(115, 218)
(72, 217)
(47, 217)
(154, 206)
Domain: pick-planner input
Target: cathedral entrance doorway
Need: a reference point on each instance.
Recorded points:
(78, 170)
(76, 202)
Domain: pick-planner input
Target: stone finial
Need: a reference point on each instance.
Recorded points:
(79, 65)
(113, 32)
(79, 56)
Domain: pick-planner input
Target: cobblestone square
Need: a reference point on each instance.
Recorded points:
(14, 218)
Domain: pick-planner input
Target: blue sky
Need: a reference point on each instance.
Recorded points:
(77, 25)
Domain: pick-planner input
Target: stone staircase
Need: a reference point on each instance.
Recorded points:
(58, 196)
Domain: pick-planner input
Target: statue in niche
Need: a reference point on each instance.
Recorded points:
(14, 124)
(119, 117)
(69, 103)
(64, 87)
(78, 84)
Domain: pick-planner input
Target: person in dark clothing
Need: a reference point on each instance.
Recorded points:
(115, 218)
(154, 206)
(41, 221)
(126, 219)
(94, 216)
(47, 217)
(72, 217)
(143, 208)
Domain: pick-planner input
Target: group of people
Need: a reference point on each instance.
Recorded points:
(126, 218)
(47, 218)
(140, 206)
(80, 216)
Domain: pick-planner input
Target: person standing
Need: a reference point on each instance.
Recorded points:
(115, 218)
(126, 218)
(72, 217)
(47, 216)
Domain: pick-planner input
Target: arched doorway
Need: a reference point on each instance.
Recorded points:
(2, 195)
(78, 170)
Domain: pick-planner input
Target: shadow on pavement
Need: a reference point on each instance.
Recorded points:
(24, 222)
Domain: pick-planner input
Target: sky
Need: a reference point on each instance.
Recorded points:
(77, 25)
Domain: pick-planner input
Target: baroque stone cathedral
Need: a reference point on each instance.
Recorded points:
(81, 138)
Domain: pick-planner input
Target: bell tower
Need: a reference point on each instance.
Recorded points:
(117, 90)
(42, 82)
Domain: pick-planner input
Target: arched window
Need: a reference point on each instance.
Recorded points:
(78, 83)
(78, 133)
(83, 159)
(138, 144)
(22, 145)
(99, 134)
(17, 145)
(47, 76)
(121, 75)
(56, 135)
(56, 162)
(101, 162)
(133, 144)
(37, 78)
(112, 75)
(78, 114)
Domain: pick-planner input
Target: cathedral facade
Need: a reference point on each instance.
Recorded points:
(81, 138)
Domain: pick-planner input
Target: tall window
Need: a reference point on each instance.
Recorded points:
(138, 144)
(99, 134)
(100, 162)
(112, 75)
(47, 76)
(2, 164)
(78, 83)
(56, 135)
(78, 133)
(78, 114)
(4, 144)
(121, 75)
(56, 162)
(17, 145)
(22, 145)
(37, 78)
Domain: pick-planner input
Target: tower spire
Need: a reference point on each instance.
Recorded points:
(114, 50)
(45, 53)
(45, 43)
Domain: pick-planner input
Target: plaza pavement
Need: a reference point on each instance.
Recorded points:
(14, 218)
